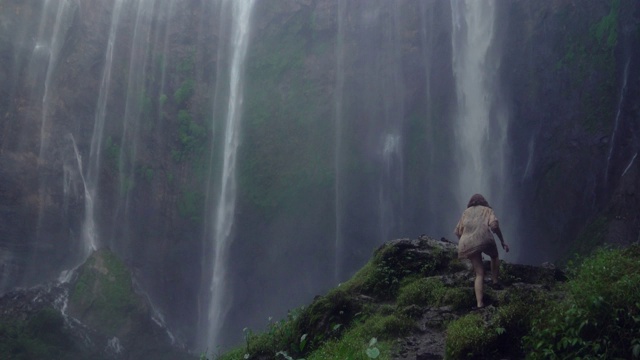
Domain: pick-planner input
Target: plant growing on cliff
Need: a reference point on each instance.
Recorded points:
(601, 316)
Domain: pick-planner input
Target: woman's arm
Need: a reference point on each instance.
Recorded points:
(496, 229)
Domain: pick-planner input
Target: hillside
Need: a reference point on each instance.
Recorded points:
(414, 299)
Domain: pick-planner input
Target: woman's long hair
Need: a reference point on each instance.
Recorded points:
(477, 199)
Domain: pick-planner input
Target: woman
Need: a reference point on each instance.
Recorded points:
(474, 235)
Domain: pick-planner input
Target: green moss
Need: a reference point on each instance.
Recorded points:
(383, 275)
(432, 292)
(103, 296)
(184, 92)
(467, 338)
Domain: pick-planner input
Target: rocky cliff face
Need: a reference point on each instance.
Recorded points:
(110, 117)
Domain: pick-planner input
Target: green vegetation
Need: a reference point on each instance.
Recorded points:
(42, 336)
(590, 57)
(596, 314)
(431, 291)
(162, 99)
(600, 317)
(103, 295)
(283, 117)
(192, 136)
(184, 92)
(606, 30)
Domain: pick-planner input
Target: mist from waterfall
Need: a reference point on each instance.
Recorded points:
(243, 157)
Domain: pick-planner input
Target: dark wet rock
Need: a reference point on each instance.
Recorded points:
(80, 319)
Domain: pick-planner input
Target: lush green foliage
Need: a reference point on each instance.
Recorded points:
(600, 319)
(594, 315)
(40, 337)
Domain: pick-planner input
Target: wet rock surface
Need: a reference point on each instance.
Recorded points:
(45, 315)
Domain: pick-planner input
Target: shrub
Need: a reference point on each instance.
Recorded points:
(601, 316)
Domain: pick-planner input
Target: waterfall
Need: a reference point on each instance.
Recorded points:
(481, 122)
(89, 231)
(339, 206)
(135, 89)
(51, 38)
(617, 121)
(630, 163)
(480, 130)
(219, 300)
(53, 46)
(89, 238)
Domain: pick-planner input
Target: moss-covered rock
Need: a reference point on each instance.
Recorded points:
(102, 296)
(414, 297)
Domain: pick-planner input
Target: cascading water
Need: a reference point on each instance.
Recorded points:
(314, 197)
(54, 44)
(617, 121)
(480, 139)
(219, 296)
(390, 190)
(133, 107)
(89, 238)
(89, 231)
(51, 38)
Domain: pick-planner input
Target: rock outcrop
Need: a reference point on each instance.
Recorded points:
(97, 314)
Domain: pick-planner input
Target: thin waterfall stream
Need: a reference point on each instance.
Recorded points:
(224, 215)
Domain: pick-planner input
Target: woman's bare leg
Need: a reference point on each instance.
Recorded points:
(476, 261)
(495, 269)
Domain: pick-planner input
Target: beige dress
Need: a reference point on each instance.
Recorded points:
(474, 231)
